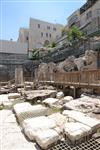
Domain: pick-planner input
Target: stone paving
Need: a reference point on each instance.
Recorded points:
(11, 137)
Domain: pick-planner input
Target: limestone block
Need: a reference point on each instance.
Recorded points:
(82, 118)
(13, 95)
(60, 95)
(46, 137)
(58, 118)
(7, 104)
(79, 62)
(76, 131)
(31, 126)
(51, 101)
(67, 99)
(21, 107)
(30, 111)
(4, 98)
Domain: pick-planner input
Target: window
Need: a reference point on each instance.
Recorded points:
(89, 15)
(38, 25)
(41, 34)
(54, 29)
(50, 35)
(27, 38)
(48, 27)
(46, 34)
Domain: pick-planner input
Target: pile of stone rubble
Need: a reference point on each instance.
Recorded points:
(47, 130)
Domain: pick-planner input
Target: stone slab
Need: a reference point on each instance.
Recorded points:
(31, 126)
(82, 118)
(46, 137)
(76, 131)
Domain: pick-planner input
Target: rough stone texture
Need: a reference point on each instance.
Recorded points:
(13, 95)
(75, 131)
(60, 95)
(90, 59)
(11, 137)
(80, 117)
(39, 94)
(84, 104)
(46, 137)
(79, 62)
(5, 101)
(59, 119)
(24, 111)
(67, 65)
(31, 126)
(67, 99)
(51, 101)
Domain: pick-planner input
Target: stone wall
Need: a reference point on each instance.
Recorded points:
(13, 47)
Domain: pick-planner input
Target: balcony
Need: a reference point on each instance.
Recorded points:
(87, 5)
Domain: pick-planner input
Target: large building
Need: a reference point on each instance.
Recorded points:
(87, 18)
(39, 33)
(74, 19)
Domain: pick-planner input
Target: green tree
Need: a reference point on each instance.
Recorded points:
(75, 36)
(35, 54)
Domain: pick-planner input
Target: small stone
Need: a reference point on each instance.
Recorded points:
(60, 95)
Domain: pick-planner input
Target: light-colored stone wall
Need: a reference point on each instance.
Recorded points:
(74, 18)
(37, 36)
(23, 35)
(13, 47)
(90, 21)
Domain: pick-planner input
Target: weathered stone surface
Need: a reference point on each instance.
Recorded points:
(51, 101)
(90, 59)
(21, 107)
(46, 137)
(31, 126)
(67, 99)
(82, 118)
(60, 95)
(79, 62)
(75, 131)
(11, 137)
(67, 65)
(84, 104)
(39, 94)
(58, 118)
(24, 111)
(13, 95)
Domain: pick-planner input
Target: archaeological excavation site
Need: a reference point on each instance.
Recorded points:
(50, 75)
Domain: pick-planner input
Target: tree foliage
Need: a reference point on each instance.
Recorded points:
(35, 54)
(74, 34)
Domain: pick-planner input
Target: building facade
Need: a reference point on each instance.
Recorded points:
(74, 19)
(87, 18)
(39, 33)
(90, 17)
(23, 35)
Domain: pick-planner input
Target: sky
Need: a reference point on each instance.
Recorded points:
(16, 13)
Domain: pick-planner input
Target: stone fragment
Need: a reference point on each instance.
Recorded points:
(60, 95)
(82, 118)
(76, 131)
(31, 126)
(59, 119)
(13, 95)
(51, 101)
(46, 137)
(28, 111)
(67, 99)
(38, 94)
